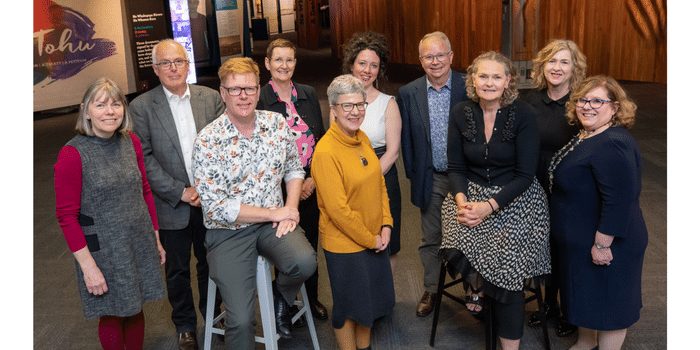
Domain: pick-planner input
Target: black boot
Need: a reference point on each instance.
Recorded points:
(283, 317)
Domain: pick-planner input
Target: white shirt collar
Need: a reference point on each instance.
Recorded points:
(169, 95)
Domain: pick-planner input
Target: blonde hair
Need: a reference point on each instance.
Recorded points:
(578, 62)
(626, 108)
(510, 93)
(239, 65)
(108, 88)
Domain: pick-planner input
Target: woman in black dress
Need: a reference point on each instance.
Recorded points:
(496, 215)
(597, 223)
(558, 68)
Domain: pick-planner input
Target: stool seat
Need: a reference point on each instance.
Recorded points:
(267, 310)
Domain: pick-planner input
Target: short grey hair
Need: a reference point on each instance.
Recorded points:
(345, 84)
(102, 87)
(163, 43)
(434, 35)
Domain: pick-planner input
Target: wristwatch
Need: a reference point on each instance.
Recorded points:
(601, 246)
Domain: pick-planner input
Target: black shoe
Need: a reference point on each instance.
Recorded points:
(535, 319)
(318, 310)
(564, 328)
(283, 318)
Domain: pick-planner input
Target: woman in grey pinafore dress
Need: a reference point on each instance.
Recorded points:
(105, 208)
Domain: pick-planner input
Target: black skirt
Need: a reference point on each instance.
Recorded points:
(362, 286)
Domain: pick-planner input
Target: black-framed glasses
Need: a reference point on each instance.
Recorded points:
(440, 57)
(347, 107)
(595, 103)
(236, 90)
(179, 63)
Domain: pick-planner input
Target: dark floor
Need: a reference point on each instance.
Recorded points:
(58, 321)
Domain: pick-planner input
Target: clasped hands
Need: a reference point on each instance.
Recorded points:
(472, 213)
(285, 219)
(383, 239)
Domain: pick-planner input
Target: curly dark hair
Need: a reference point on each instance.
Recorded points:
(368, 40)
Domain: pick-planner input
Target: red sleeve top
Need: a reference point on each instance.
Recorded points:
(68, 179)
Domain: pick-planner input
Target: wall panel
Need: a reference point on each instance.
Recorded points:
(473, 26)
(625, 39)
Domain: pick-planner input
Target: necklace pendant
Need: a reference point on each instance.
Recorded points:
(364, 161)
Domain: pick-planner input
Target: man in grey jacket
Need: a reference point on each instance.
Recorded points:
(167, 119)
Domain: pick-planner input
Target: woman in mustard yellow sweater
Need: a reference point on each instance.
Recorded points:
(355, 225)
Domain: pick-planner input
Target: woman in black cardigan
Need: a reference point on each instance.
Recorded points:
(495, 220)
(298, 102)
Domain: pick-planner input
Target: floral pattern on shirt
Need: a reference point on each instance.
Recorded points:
(304, 137)
(231, 170)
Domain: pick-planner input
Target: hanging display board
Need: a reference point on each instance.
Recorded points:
(182, 32)
(147, 27)
(229, 21)
(75, 43)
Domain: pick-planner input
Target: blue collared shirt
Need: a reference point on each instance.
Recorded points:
(439, 112)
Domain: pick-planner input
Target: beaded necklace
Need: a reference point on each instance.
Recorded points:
(562, 153)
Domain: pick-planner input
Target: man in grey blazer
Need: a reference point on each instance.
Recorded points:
(425, 106)
(167, 119)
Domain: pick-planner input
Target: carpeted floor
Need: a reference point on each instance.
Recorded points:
(58, 321)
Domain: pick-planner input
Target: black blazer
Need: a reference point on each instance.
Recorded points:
(307, 106)
(415, 134)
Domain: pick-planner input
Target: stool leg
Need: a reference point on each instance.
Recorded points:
(267, 310)
(543, 315)
(209, 323)
(309, 318)
(490, 323)
(438, 300)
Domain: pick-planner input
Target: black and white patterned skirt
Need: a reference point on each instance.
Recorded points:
(511, 244)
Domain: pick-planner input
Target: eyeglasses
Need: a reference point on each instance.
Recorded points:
(595, 103)
(179, 63)
(236, 90)
(440, 57)
(347, 107)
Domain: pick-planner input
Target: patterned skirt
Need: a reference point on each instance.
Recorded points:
(511, 244)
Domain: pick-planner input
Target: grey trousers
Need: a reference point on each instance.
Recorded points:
(431, 221)
(232, 257)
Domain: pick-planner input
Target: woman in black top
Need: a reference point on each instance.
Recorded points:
(559, 68)
(496, 215)
(298, 102)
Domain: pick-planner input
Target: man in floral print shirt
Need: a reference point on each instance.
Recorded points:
(239, 162)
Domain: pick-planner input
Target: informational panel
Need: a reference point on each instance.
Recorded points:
(229, 21)
(147, 27)
(75, 43)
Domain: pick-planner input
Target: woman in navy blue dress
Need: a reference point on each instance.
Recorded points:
(597, 223)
